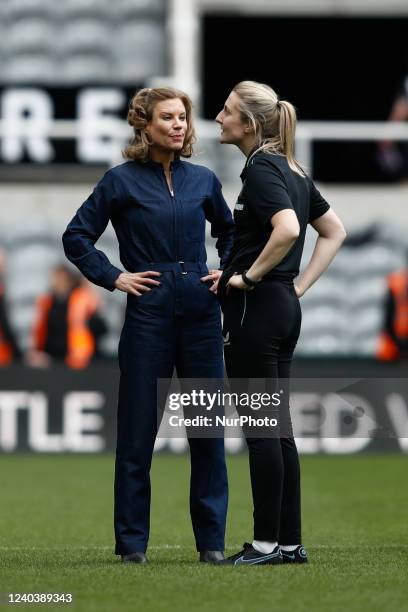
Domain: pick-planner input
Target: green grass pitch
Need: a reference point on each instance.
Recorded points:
(57, 536)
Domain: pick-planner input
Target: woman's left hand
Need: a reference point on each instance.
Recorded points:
(237, 283)
(214, 276)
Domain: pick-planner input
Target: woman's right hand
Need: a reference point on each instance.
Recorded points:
(137, 283)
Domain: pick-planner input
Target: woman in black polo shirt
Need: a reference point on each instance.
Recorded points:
(260, 301)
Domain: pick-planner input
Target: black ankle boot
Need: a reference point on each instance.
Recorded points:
(211, 556)
(136, 557)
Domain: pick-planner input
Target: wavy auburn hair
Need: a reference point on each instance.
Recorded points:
(140, 113)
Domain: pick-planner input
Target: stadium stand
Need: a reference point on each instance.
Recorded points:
(18, 9)
(84, 35)
(70, 42)
(29, 68)
(73, 9)
(78, 67)
(126, 9)
(140, 50)
(342, 313)
(31, 34)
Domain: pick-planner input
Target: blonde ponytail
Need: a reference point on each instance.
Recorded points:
(273, 120)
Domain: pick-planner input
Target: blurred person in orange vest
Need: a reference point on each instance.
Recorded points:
(9, 349)
(393, 343)
(67, 323)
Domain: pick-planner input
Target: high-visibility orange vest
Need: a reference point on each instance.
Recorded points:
(82, 304)
(398, 285)
(6, 351)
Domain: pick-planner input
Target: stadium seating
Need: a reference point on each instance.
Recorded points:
(140, 50)
(70, 42)
(19, 9)
(72, 9)
(30, 68)
(31, 253)
(30, 34)
(342, 313)
(126, 9)
(86, 68)
(84, 35)
(229, 164)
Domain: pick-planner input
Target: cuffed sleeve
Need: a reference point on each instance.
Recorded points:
(83, 231)
(222, 224)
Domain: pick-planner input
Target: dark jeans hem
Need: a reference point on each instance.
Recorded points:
(129, 550)
(211, 546)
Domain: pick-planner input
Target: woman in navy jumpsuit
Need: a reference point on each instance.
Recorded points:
(158, 206)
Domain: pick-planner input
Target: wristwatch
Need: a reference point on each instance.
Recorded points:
(248, 281)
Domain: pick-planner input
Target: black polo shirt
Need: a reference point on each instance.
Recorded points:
(270, 185)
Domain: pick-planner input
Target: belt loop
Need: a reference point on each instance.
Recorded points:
(183, 269)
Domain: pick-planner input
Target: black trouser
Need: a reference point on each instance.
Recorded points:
(261, 328)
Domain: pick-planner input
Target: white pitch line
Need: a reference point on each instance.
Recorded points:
(65, 548)
(179, 546)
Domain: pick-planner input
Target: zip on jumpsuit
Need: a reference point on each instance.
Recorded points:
(175, 325)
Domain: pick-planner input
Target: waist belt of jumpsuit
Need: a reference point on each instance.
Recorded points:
(183, 267)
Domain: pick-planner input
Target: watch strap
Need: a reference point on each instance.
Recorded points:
(248, 281)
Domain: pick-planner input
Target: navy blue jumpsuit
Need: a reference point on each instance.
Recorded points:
(176, 325)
